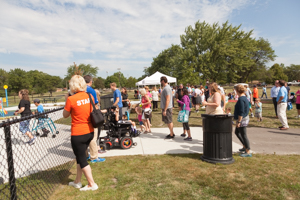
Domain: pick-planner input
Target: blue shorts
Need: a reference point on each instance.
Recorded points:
(24, 126)
(141, 123)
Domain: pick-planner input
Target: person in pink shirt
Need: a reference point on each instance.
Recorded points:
(185, 100)
(298, 103)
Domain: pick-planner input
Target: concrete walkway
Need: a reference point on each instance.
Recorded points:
(270, 141)
(154, 143)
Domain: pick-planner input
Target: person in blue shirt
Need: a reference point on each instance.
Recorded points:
(282, 99)
(41, 120)
(93, 144)
(117, 98)
(89, 81)
(264, 92)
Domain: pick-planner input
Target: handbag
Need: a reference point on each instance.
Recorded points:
(97, 118)
(148, 114)
(183, 117)
(289, 106)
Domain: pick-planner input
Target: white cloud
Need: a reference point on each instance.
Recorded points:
(122, 30)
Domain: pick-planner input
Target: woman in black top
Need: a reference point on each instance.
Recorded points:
(24, 110)
(124, 100)
(241, 115)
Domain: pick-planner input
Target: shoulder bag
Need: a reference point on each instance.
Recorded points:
(183, 117)
(97, 118)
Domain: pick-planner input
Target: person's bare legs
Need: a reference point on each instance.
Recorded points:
(146, 124)
(87, 171)
(170, 126)
(298, 111)
(189, 133)
(29, 134)
(78, 175)
(149, 124)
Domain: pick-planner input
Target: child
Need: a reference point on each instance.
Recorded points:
(228, 111)
(258, 109)
(41, 120)
(139, 112)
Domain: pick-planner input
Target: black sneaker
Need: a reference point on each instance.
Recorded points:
(44, 135)
(169, 137)
(183, 135)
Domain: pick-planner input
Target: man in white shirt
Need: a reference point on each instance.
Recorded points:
(274, 93)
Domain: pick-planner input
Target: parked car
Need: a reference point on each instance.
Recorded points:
(294, 82)
(262, 84)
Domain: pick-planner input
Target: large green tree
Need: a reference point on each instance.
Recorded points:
(262, 54)
(216, 51)
(222, 53)
(277, 73)
(18, 79)
(131, 82)
(111, 79)
(99, 83)
(292, 72)
(84, 69)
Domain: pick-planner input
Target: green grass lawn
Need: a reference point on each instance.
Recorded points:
(187, 177)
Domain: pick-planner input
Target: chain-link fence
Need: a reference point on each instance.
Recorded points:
(32, 169)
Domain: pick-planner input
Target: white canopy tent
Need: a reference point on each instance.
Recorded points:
(140, 82)
(154, 79)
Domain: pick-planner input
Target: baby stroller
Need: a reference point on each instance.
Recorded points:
(43, 122)
(118, 134)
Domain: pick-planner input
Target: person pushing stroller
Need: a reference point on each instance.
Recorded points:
(41, 119)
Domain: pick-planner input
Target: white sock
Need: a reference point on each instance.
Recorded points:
(134, 127)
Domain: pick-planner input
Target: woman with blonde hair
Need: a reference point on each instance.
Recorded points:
(24, 110)
(241, 111)
(78, 105)
(154, 97)
(146, 103)
(213, 103)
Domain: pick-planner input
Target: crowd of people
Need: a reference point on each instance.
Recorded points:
(211, 97)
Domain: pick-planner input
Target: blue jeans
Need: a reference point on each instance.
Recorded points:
(190, 96)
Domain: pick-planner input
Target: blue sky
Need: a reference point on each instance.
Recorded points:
(49, 35)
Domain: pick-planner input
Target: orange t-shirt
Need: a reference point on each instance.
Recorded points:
(80, 108)
(255, 93)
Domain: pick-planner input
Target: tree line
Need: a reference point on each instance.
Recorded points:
(38, 82)
(35, 81)
(221, 53)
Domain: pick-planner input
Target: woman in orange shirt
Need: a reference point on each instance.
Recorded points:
(82, 131)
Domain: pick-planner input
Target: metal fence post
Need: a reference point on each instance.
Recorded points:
(10, 162)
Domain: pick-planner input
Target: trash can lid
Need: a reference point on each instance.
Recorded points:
(217, 116)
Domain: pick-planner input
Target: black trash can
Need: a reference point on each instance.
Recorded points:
(106, 101)
(217, 139)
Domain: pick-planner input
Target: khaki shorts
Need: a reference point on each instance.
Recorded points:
(258, 115)
(168, 118)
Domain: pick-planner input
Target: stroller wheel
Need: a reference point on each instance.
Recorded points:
(57, 132)
(126, 143)
(53, 136)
